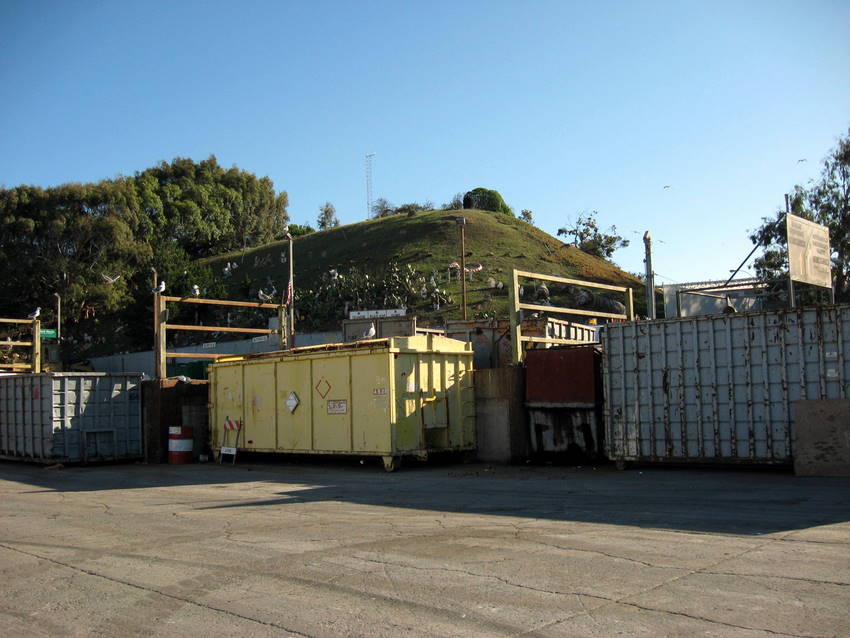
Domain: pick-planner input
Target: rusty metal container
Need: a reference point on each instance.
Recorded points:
(563, 398)
(70, 417)
(491, 339)
(354, 329)
(720, 388)
(402, 396)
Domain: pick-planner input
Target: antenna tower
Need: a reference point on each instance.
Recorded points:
(369, 157)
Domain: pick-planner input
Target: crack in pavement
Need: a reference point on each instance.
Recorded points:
(700, 571)
(152, 590)
(606, 600)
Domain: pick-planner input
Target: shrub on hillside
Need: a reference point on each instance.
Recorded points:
(486, 199)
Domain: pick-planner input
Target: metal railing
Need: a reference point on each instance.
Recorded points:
(34, 344)
(517, 340)
(161, 328)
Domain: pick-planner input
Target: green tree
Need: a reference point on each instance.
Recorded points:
(94, 244)
(588, 238)
(486, 199)
(826, 202)
(207, 209)
(297, 230)
(527, 216)
(327, 217)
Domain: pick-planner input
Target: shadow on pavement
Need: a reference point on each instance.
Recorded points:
(715, 501)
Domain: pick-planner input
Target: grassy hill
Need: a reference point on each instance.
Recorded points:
(428, 242)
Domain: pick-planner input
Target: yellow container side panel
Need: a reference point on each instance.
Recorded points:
(461, 402)
(259, 408)
(433, 404)
(408, 429)
(370, 399)
(332, 404)
(227, 402)
(294, 406)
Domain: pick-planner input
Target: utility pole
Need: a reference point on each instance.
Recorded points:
(461, 222)
(650, 276)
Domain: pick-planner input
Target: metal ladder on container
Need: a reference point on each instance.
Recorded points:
(229, 426)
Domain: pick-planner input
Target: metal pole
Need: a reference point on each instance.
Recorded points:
(650, 277)
(157, 350)
(291, 337)
(463, 265)
(58, 317)
(516, 326)
(791, 301)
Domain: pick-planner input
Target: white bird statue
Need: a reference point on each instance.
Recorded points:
(196, 291)
(35, 313)
(160, 288)
(110, 280)
(370, 333)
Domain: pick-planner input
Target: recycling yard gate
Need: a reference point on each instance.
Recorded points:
(720, 388)
(395, 397)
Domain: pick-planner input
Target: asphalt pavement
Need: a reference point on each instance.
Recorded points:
(338, 548)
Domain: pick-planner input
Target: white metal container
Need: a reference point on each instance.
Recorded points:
(70, 417)
(720, 388)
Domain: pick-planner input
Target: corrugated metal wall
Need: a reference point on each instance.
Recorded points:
(76, 417)
(720, 388)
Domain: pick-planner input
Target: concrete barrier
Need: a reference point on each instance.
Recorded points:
(501, 419)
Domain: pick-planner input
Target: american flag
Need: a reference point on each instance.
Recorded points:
(288, 300)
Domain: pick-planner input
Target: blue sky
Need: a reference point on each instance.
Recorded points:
(563, 107)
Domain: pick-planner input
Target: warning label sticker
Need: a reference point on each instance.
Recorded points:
(337, 406)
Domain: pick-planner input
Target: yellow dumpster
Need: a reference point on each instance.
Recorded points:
(395, 397)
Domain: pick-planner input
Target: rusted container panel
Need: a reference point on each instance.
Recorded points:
(563, 376)
(491, 339)
(720, 388)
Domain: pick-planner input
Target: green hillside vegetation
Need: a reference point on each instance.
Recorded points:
(413, 249)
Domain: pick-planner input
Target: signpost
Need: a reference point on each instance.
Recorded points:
(48, 333)
(809, 257)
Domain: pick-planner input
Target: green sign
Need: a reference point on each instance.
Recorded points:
(48, 333)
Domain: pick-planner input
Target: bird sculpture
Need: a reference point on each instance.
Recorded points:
(110, 280)
(160, 288)
(35, 313)
(196, 291)
(370, 333)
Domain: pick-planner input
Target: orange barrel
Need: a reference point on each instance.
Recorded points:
(180, 444)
